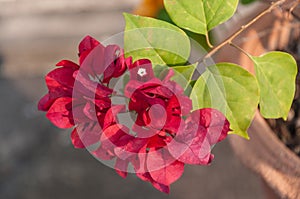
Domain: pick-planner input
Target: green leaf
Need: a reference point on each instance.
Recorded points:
(156, 40)
(183, 74)
(276, 74)
(247, 1)
(160, 71)
(163, 15)
(200, 16)
(230, 89)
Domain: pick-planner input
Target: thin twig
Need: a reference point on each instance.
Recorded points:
(244, 27)
(295, 4)
(293, 8)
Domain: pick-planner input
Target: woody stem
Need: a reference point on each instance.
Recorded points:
(242, 28)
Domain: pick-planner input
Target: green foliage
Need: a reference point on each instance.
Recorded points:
(224, 86)
(230, 89)
(276, 73)
(200, 16)
(247, 1)
(156, 40)
(200, 39)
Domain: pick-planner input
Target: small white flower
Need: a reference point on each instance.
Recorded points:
(142, 72)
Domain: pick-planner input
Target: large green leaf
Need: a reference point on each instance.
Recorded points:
(159, 41)
(276, 73)
(230, 89)
(200, 16)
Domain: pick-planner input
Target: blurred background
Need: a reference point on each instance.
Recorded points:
(37, 160)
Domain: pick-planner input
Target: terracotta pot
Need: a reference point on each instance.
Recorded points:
(264, 153)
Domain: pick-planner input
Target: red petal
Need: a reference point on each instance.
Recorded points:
(135, 145)
(147, 177)
(193, 142)
(92, 60)
(78, 111)
(103, 154)
(185, 105)
(161, 187)
(89, 111)
(131, 88)
(173, 124)
(174, 115)
(121, 149)
(114, 141)
(60, 82)
(111, 137)
(121, 167)
(144, 176)
(214, 121)
(168, 174)
(84, 86)
(77, 143)
(115, 63)
(163, 168)
(89, 133)
(60, 113)
(122, 64)
(87, 44)
(187, 146)
(194, 153)
(111, 53)
(129, 148)
(158, 116)
(67, 63)
(110, 61)
(45, 103)
(139, 162)
(156, 141)
(111, 115)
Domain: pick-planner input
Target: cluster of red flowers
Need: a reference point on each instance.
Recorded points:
(165, 133)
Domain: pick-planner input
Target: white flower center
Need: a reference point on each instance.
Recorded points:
(142, 72)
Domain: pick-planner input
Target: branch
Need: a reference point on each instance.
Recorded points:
(244, 27)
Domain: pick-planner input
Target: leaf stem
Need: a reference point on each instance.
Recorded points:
(242, 28)
(208, 41)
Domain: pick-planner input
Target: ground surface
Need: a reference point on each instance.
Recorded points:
(37, 160)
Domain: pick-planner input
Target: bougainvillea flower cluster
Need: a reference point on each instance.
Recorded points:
(165, 133)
